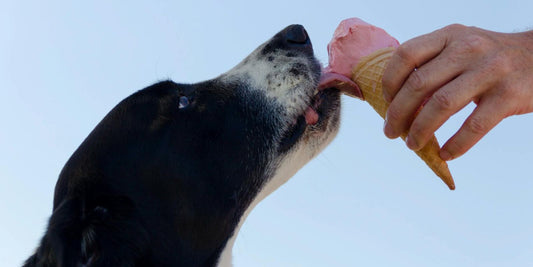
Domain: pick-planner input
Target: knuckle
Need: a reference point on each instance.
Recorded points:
(393, 115)
(455, 148)
(416, 132)
(454, 28)
(443, 100)
(416, 81)
(405, 54)
(510, 100)
(472, 43)
(507, 93)
(477, 125)
(500, 64)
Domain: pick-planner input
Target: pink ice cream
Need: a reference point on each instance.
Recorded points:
(352, 40)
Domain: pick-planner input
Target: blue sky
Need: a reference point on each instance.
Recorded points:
(365, 201)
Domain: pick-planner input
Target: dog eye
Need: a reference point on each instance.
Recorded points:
(183, 102)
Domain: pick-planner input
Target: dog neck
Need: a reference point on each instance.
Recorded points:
(290, 164)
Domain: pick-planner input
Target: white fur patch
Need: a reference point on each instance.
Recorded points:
(284, 79)
(290, 164)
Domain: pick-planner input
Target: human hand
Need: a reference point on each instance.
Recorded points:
(431, 77)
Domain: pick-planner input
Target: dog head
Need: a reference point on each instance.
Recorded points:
(191, 160)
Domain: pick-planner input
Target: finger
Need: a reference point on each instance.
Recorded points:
(410, 55)
(417, 88)
(445, 102)
(485, 116)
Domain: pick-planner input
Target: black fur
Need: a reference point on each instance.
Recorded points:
(157, 183)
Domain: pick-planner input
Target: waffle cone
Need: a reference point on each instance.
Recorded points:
(367, 75)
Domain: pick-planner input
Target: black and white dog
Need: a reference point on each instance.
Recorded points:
(170, 174)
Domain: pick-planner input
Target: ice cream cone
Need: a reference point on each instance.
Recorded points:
(367, 75)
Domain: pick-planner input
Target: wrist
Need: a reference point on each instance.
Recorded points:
(529, 36)
(527, 39)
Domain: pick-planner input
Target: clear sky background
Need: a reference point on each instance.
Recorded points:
(365, 201)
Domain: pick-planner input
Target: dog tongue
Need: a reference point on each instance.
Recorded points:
(352, 40)
(311, 117)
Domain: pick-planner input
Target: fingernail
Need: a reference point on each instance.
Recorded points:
(387, 130)
(411, 144)
(445, 155)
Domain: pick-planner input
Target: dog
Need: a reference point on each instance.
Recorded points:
(169, 175)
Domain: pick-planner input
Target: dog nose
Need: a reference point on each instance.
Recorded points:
(293, 37)
(296, 35)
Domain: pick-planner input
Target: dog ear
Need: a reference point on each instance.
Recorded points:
(99, 237)
(107, 239)
(60, 244)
